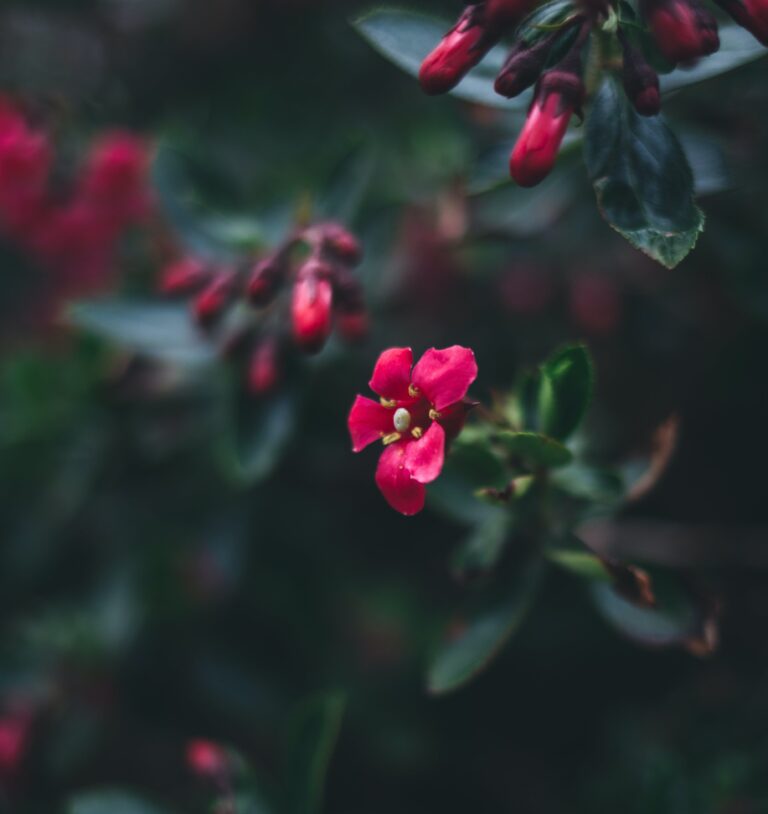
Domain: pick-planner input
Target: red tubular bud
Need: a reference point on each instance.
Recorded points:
(749, 14)
(210, 304)
(641, 82)
(459, 51)
(311, 306)
(263, 370)
(342, 243)
(183, 276)
(683, 30)
(263, 282)
(558, 95)
(522, 68)
(507, 12)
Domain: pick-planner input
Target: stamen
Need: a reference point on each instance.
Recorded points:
(413, 391)
(417, 432)
(387, 402)
(402, 420)
(391, 438)
(433, 414)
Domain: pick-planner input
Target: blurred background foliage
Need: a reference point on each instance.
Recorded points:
(163, 577)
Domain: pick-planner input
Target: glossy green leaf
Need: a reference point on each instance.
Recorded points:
(565, 391)
(737, 47)
(461, 659)
(157, 330)
(313, 734)
(536, 449)
(406, 37)
(111, 802)
(641, 176)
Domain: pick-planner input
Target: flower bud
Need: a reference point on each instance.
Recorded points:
(183, 276)
(13, 742)
(558, 95)
(210, 304)
(522, 68)
(683, 29)
(263, 370)
(341, 243)
(749, 14)
(459, 51)
(206, 759)
(507, 13)
(311, 306)
(641, 82)
(263, 282)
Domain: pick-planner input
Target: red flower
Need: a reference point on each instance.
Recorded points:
(683, 30)
(417, 413)
(459, 51)
(207, 759)
(558, 95)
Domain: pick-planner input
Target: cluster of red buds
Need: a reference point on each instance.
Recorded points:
(548, 54)
(72, 231)
(309, 277)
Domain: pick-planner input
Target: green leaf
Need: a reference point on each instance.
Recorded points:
(565, 391)
(536, 449)
(256, 435)
(581, 563)
(406, 37)
(484, 545)
(737, 47)
(461, 659)
(313, 734)
(110, 802)
(476, 462)
(641, 176)
(158, 330)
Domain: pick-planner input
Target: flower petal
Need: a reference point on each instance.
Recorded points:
(400, 490)
(392, 373)
(367, 421)
(444, 376)
(424, 458)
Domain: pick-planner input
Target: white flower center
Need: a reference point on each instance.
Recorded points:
(402, 419)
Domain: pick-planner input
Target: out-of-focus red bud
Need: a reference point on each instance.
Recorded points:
(459, 51)
(311, 306)
(558, 95)
(595, 304)
(264, 281)
(682, 29)
(641, 82)
(507, 12)
(25, 158)
(526, 289)
(750, 14)
(263, 369)
(342, 243)
(207, 759)
(209, 305)
(183, 276)
(13, 743)
(354, 327)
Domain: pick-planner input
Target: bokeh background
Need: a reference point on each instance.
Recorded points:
(152, 591)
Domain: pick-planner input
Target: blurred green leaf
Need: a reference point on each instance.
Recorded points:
(478, 463)
(581, 563)
(641, 176)
(536, 449)
(565, 391)
(157, 330)
(485, 543)
(406, 37)
(313, 734)
(111, 802)
(461, 659)
(346, 188)
(737, 47)
(590, 484)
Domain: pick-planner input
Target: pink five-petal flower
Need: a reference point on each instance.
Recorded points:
(417, 413)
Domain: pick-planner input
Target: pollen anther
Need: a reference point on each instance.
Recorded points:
(413, 391)
(390, 438)
(417, 432)
(433, 414)
(387, 402)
